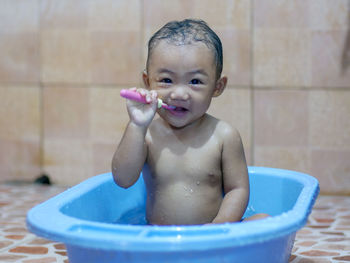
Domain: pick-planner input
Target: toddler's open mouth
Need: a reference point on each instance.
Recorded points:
(180, 109)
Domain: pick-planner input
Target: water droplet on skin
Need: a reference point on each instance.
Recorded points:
(197, 183)
(191, 191)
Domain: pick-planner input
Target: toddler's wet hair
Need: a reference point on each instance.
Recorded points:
(186, 32)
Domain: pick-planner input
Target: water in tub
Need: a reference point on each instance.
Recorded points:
(136, 216)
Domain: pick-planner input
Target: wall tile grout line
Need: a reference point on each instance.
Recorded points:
(252, 88)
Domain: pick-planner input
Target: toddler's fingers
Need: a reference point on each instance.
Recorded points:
(146, 94)
(148, 97)
(143, 92)
(154, 95)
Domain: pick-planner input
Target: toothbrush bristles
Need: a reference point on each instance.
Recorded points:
(168, 107)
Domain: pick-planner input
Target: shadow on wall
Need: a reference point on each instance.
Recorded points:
(346, 51)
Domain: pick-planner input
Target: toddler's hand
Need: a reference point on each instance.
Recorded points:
(142, 114)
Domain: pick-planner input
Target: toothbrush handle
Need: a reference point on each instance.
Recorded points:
(132, 95)
(135, 96)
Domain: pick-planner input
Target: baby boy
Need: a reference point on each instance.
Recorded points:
(193, 164)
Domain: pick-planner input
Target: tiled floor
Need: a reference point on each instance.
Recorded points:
(326, 238)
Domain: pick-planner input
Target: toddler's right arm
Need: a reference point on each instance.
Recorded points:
(131, 153)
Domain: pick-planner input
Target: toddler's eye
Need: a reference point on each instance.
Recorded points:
(195, 81)
(165, 80)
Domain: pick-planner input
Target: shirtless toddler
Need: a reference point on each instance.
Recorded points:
(193, 164)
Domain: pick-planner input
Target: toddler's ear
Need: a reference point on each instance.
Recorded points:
(220, 86)
(145, 79)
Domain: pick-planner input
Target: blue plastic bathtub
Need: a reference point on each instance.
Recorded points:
(101, 222)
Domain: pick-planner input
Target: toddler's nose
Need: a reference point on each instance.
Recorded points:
(179, 93)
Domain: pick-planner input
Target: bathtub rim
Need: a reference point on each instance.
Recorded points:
(47, 220)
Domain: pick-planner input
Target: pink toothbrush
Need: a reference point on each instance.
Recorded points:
(135, 96)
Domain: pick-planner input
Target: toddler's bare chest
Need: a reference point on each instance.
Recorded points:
(186, 162)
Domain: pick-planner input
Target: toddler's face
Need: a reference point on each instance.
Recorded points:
(183, 76)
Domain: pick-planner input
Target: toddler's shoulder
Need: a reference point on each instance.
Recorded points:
(227, 131)
(231, 139)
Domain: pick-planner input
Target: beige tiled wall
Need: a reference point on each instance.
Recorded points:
(64, 62)
(301, 83)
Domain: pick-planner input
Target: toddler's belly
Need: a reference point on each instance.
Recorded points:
(183, 205)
